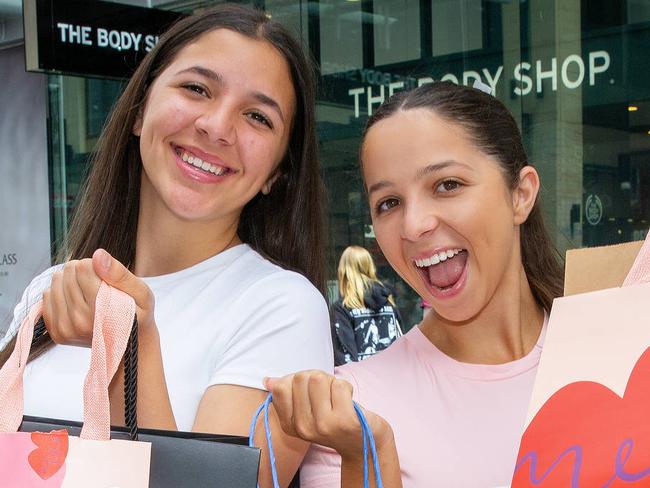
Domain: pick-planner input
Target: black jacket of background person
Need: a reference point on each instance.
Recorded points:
(359, 333)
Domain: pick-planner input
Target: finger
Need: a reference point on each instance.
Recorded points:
(320, 399)
(281, 389)
(342, 405)
(77, 305)
(87, 280)
(116, 274)
(59, 324)
(48, 316)
(302, 418)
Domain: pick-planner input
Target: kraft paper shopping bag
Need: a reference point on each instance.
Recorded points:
(587, 424)
(56, 459)
(598, 268)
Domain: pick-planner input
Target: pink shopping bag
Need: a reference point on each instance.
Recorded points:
(55, 459)
(587, 424)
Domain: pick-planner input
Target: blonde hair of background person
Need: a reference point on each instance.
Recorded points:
(205, 195)
(365, 319)
(356, 273)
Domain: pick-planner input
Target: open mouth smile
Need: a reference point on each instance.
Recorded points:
(208, 167)
(444, 272)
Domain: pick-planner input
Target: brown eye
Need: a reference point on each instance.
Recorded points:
(260, 119)
(196, 88)
(385, 205)
(448, 186)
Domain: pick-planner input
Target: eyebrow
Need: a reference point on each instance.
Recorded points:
(421, 173)
(217, 78)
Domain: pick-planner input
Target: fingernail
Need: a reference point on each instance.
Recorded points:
(105, 260)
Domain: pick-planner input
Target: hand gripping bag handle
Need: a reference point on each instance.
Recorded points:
(366, 434)
(113, 324)
(130, 375)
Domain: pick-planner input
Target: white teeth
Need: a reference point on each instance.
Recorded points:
(204, 165)
(437, 258)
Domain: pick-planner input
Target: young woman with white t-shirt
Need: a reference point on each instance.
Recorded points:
(205, 195)
(454, 206)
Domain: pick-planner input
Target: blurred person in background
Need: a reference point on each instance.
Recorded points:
(365, 318)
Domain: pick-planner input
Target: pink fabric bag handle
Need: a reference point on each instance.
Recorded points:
(114, 314)
(640, 271)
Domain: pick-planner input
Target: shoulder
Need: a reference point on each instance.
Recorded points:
(266, 299)
(381, 371)
(32, 294)
(269, 281)
(338, 306)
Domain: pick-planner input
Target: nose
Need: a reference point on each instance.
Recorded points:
(418, 221)
(218, 124)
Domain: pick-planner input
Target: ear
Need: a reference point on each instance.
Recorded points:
(525, 194)
(137, 126)
(266, 188)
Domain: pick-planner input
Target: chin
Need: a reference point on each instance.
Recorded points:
(191, 213)
(460, 311)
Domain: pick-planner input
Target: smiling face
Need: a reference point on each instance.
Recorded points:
(215, 127)
(442, 212)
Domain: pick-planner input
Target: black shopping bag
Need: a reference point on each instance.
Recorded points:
(181, 459)
(178, 459)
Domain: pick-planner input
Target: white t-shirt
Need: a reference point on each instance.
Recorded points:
(233, 319)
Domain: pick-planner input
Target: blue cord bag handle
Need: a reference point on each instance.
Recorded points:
(366, 434)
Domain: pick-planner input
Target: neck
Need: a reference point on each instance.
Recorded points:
(166, 244)
(505, 330)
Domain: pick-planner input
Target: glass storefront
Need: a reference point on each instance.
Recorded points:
(575, 74)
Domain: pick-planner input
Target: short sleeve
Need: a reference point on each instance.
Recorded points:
(282, 326)
(32, 294)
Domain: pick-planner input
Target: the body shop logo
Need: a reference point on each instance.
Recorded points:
(8, 259)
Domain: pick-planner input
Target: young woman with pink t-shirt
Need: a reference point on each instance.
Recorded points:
(454, 205)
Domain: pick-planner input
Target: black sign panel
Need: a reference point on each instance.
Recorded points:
(90, 38)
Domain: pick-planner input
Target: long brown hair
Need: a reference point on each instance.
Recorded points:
(286, 226)
(493, 129)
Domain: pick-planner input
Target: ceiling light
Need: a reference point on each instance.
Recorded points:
(632, 108)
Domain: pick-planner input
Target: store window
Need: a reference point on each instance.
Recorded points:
(575, 74)
(78, 109)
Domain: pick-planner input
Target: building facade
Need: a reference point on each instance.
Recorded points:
(575, 74)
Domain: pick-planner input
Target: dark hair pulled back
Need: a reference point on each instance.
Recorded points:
(492, 128)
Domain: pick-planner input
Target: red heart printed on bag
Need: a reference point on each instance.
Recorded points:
(585, 435)
(50, 454)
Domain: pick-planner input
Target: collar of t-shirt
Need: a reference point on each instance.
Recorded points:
(221, 260)
(483, 372)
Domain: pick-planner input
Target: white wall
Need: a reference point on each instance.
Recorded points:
(24, 194)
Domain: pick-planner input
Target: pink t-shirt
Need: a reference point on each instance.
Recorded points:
(455, 424)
